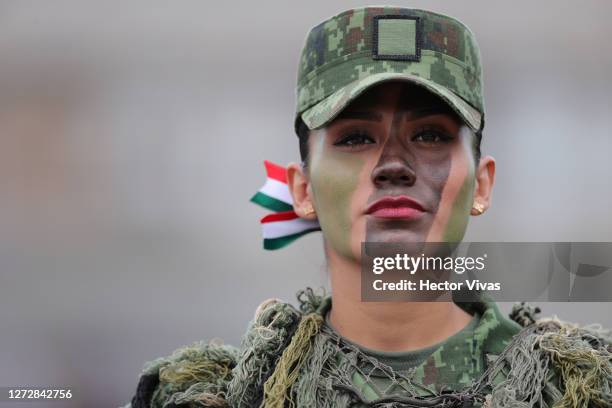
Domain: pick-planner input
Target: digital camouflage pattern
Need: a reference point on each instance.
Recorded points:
(339, 61)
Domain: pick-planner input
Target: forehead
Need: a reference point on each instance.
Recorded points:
(399, 95)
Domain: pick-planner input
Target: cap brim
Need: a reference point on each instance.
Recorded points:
(327, 109)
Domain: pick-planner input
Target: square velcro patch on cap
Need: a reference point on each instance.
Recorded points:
(396, 38)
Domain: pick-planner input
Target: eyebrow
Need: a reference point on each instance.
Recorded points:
(361, 115)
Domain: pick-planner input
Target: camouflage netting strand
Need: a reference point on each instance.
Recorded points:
(267, 337)
(194, 376)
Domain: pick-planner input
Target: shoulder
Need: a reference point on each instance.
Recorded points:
(199, 372)
(211, 374)
(559, 362)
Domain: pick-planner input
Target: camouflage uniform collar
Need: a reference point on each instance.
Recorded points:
(461, 360)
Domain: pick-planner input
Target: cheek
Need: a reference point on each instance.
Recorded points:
(359, 203)
(336, 179)
(451, 218)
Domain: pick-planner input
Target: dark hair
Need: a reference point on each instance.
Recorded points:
(303, 133)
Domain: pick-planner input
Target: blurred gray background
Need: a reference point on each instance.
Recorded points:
(132, 135)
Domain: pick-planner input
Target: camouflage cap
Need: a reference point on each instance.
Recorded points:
(359, 48)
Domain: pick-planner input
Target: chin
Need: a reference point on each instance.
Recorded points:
(395, 236)
(390, 242)
(397, 231)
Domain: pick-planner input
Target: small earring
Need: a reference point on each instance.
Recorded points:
(478, 207)
(309, 210)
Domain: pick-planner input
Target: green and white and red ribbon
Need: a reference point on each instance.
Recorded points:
(284, 226)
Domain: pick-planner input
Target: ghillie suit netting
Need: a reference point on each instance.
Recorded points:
(292, 358)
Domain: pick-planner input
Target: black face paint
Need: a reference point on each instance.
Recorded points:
(404, 169)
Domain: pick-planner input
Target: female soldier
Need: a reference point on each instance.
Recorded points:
(390, 116)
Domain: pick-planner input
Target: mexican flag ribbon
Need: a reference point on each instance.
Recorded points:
(284, 225)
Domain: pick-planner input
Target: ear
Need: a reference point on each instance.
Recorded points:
(485, 178)
(299, 187)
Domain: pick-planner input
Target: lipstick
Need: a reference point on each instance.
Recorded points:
(396, 207)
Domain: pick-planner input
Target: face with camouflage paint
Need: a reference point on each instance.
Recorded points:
(397, 165)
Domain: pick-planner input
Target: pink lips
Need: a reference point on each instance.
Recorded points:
(396, 207)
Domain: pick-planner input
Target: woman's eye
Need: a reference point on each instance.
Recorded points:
(431, 137)
(355, 139)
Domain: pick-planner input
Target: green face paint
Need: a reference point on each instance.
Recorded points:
(459, 216)
(334, 177)
(462, 166)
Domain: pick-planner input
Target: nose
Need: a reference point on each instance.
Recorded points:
(393, 172)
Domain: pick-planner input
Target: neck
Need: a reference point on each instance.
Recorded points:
(387, 326)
